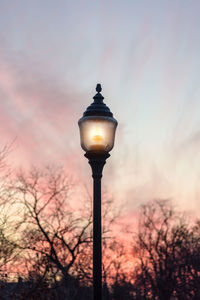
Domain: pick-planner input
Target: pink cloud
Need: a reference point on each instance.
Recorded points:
(36, 110)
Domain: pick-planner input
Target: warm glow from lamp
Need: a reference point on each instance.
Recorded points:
(97, 137)
(97, 133)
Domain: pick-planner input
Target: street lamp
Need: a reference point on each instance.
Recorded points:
(97, 133)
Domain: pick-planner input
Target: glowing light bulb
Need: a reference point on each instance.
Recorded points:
(97, 138)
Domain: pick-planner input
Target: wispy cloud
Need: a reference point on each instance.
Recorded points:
(35, 108)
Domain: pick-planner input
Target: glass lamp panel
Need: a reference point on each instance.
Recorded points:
(97, 133)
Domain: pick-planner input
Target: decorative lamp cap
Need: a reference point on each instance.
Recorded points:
(98, 107)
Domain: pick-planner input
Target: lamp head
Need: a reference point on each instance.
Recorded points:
(97, 126)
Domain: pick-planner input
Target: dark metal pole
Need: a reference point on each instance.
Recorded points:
(97, 162)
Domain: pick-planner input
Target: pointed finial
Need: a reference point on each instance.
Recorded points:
(98, 88)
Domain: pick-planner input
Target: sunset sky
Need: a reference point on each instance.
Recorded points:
(146, 55)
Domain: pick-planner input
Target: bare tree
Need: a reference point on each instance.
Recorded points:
(167, 250)
(8, 246)
(53, 232)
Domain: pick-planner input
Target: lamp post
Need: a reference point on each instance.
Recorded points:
(97, 134)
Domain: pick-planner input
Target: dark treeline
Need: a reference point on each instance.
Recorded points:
(46, 242)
